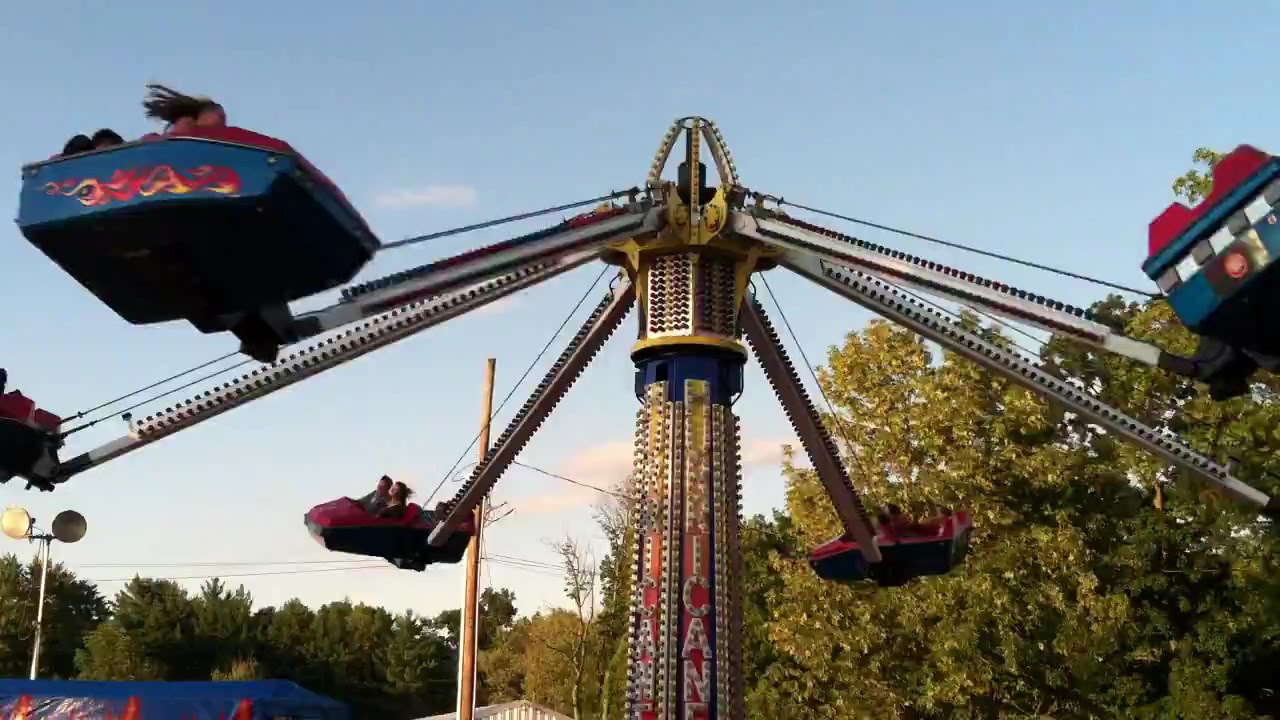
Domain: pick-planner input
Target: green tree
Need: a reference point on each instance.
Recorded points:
(582, 649)
(612, 625)
(226, 633)
(502, 666)
(109, 653)
(419, 668)
(549, 663)
(72, 609)
(159, 621)
(1203, 570)
(286, 645)
(1078, 599)
(766, 542)
(497, 612)
(1196, 184)
(385, 666)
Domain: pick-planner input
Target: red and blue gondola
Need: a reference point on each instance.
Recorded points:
(343, 525)
(1215, 261)
(903, 557)
(29, 439)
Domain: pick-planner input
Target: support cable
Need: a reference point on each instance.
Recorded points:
(162, 395)
(551, 340)
(399, 243)
(831, 408)
(153, 385)
(993, 318)
(966, 248)
(508, 219)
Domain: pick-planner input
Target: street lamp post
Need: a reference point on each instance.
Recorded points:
(45, 541)
(68, 527)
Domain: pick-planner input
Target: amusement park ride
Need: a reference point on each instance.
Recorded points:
(224, 227)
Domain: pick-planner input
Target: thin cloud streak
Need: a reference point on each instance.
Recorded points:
(444, 196)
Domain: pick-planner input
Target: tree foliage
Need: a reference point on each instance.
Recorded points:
(385, 665)
(1079, 598)
(1196, 183)
(72, 608)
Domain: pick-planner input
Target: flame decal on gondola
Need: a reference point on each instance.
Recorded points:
(126, 184)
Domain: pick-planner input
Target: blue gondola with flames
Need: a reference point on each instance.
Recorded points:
(222, 227)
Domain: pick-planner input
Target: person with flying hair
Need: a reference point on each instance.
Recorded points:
(181, 112)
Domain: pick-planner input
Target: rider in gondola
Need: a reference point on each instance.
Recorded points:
(181, 112)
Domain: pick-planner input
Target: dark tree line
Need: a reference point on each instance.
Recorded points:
(385, 665)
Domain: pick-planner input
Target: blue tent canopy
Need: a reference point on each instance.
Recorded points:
(81, 699)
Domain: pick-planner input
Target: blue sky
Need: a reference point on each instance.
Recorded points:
(1037, 129)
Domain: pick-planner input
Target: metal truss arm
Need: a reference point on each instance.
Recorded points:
(808, 425)
(373, 334)
(950, 284)
(888, 301)
(592, 230)
(604, 320)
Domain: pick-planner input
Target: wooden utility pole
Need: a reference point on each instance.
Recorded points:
(469, 638)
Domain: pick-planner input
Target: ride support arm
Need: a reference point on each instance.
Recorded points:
(594, 230)
(588, 341)
(950, 284)
(887, 300)
(808, 425)
(337, 349)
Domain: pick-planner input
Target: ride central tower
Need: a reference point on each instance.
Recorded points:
(690, 280)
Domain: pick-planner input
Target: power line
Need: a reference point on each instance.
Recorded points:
(249, 574)
(521, 564)
(525, 561)
(570, 480)
(969, 248)
(528, 564)
(527, 568)
(523, 377)
(227, 563)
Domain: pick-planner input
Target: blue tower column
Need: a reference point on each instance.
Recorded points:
(686, 643)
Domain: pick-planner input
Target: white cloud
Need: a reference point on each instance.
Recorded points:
(450, 196)
(603, 465)
(768, 451)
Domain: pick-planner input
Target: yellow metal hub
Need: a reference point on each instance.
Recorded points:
(692, 277)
